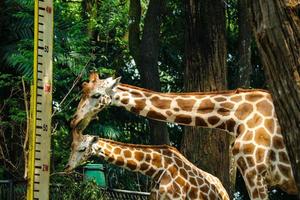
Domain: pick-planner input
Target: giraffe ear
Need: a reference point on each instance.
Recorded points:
(94, 139)
(112, 83)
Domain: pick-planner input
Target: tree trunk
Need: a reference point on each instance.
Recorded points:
(244, 51)
(145, 53)
(205, 54)
(89, 14)
(277, 32)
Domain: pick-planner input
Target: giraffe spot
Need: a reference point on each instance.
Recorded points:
(119, 161)
(150, 171)
(222, 126)
(173, 171)
(206, 106)
(220, 99)
(144, 166)
(180, 181)
(248, 136)
(236, 98)
(254, 97)
(160, 103)
(213, 120)
(147, 94)
(211, 195)
(248, 148)
(259, 155)
(262, 137)
(183, 119)
(236, 148)
(110, 159)
(136, 94)
(262, 194)
(261, 168)
(272, 155)
(250, 161)
(286, 171)
(125, 94)
(265, 108)
(193, 193)
(117, 150)
(127, 153)
(229, 125)
(117, 97)
(243, 111)
(186, 104)
(139, 105)
(242, 164)
(254, 121)
(156, 160)
(166, 179)
(167, 152)
(178, 162)
(148, 157)
(204, 188)
(241, 129)
(199, 180)
(283, 157)
(169, 113)
(183, 172)
(200, 122)
(223, 112)
(155, 115)
(270, 125)
(125, 101)
(131, 164)
(278, 142)
(255, 193)
(186, 167)
(227, 105)
(138, 155)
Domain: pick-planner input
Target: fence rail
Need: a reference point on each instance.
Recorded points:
(15, 190)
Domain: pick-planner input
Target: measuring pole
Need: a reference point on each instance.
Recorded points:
(41, 103)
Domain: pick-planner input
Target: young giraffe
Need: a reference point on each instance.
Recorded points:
(249, 115)
(174, 176)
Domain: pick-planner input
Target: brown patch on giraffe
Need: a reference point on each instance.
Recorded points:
(261, 168)
(193, 193)
(255, 193)
(156, 160)
(150, 171)
(117, 97)
(206, 106)
(230, 124)
(254, 97)
(241, 129)
(106, 152)
(110, 159)
(286, 171)
(236, 98)
(243, 111)
(248, 136)
(213, 120)
(264, 107)
(200, 122)
(131, 164)
(160, 103)
(242, 164)
(155, 115)
(199, 180)
(139, 105)
(148, 157)
(270, 125)
(144, 166)
(223, 111)
(211, 195)
(250, 161)
(236, 148)
(180, 181)
(127, 153)
(138, 155)
(183, 119)
(222, 126)
(248, 148)
(178, 162)
(220, 99)
(125, 101)
(278, 142)
(272, 155)
(167, 153)
(119, 161)
(166, 179)
(117, 150)
(254, 121)
(204, 188)
(186, 104)
(283, 157)
(261, 137)
(176, 109)
(169, 113)
(186, 167)
(259, 155)
(227, 105)
(183, 172)
(136, 94)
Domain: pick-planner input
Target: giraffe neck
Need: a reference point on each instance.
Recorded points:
(225, 110)
(146, 159)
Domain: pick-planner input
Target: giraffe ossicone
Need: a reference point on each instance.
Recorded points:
(249, 115)
(174, 176)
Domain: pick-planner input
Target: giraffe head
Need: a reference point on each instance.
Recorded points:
(96, 96)
(81, 150)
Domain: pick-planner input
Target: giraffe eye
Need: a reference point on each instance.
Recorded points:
(81, 150)
(96, 96)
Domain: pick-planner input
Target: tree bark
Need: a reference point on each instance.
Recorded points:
(90, 14)
(277, 32)
(205, 54)
(145, 53)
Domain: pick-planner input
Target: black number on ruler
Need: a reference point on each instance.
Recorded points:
(45, 127)
(46, 49)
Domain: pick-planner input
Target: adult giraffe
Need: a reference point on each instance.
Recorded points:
(249, 115)
(174, 176)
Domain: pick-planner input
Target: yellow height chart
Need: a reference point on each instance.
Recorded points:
(41, 103)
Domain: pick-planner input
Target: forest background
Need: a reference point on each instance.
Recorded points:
(165, 46)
